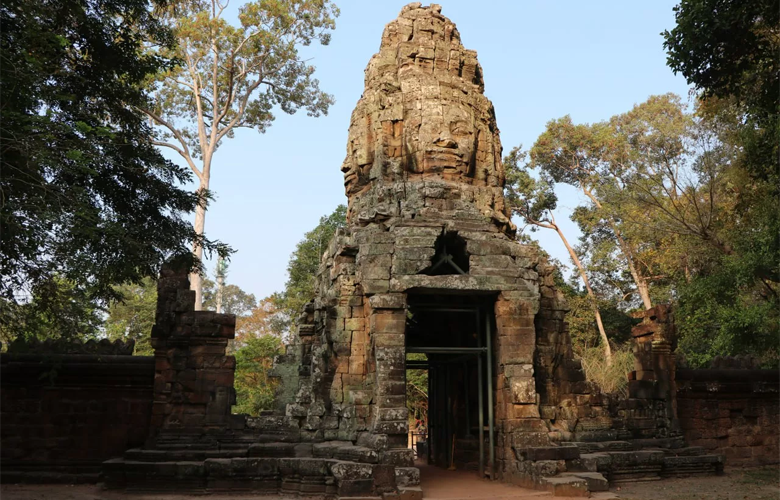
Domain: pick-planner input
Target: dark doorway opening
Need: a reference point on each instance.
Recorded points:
(450, 336)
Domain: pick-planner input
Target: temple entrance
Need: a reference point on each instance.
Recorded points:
(449, 337)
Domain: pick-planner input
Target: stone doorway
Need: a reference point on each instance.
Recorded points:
(454, 335)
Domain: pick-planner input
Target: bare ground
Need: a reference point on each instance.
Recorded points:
(736, 484)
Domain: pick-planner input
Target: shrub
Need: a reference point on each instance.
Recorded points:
(611, 378)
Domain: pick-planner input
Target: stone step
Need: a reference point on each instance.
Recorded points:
(697, 465)
(328, 449)
(407, 476)
(565, 486)
(180, 455)
(597, 436)
(688, 451)
(599, 446)
(647, 465)
(328, 477)
(563, 452)
(589, 462)
(671, 443)
(595, 481)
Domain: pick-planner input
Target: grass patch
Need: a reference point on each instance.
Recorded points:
(611, 378)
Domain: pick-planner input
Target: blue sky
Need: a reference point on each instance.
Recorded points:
(541, 60)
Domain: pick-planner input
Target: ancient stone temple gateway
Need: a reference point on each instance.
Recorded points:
(428, 263)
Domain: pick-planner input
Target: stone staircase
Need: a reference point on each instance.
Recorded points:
(646, 459)
(328, 470)
(582, 468)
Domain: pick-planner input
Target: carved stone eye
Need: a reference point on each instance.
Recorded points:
(460, 127)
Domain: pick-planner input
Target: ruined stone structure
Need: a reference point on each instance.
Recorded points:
(428, 239)
(427, 265)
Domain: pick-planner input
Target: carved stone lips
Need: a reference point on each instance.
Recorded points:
(442, 154)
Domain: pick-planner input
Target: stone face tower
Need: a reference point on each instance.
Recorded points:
(423, 141)
(428, 264)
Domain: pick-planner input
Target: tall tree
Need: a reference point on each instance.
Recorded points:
(85, 197)
(234, 299)
(221, 274)
(728, 50)
(534, 201)
(589, 158)
(234, 76)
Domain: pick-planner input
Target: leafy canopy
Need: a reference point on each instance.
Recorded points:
(231, 77)
(305, 261)
(86, 199)
(133, 317)
(234, 299)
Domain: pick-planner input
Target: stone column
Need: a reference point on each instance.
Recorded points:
(517, 410)
(387, 326)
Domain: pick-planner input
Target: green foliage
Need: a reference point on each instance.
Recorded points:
(745, 69)
(132, 317)
(531, 198)
(729, 302)
(675, 213)
(417, 390)
(612, 378)
(254, 388)
(723, 313)
(234, 76)
(57, 309)
(305, 261)
(234, 299)
(265, 319)
(87, 199)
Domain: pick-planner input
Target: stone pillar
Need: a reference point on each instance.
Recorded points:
(193, 381)
(652, 383)
(387, 326)
(516, 402)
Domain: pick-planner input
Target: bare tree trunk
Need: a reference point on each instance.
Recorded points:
(591, 295)
(200, 223)
(644, 291)
(640, 281)
(220, 282)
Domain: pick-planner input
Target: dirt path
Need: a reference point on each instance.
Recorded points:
(736, 484)
(440, 484)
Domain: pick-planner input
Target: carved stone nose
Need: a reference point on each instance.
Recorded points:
(445, 142)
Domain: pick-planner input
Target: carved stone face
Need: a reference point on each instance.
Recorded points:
(360, 157)
(445, 141)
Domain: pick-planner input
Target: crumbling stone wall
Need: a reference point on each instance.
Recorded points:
(733, 412)
(193, 378)
(64, 414)
(651, 406)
